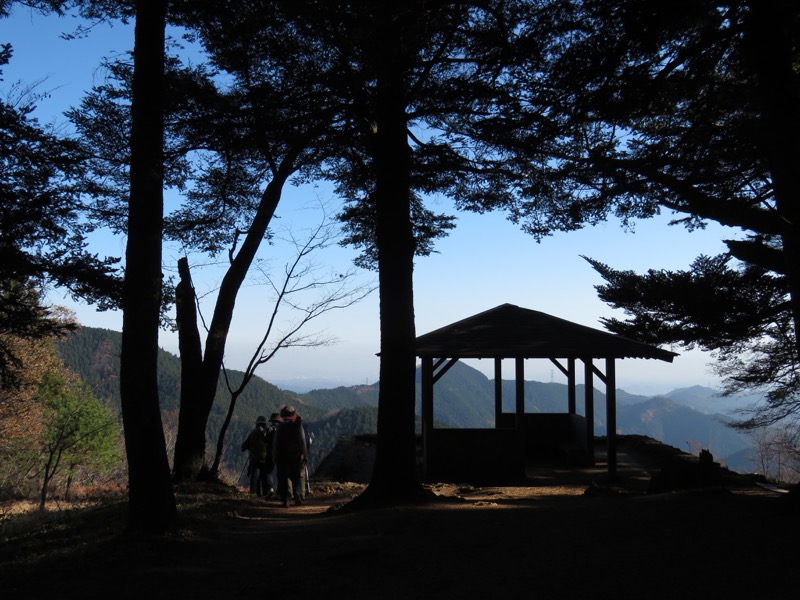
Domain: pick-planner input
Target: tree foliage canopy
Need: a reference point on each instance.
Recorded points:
(738, 312)
(42, 237)
(695, 109)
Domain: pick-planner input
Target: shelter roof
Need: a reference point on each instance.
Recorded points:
(508, 331)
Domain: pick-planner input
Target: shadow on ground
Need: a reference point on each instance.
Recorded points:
(566, 535)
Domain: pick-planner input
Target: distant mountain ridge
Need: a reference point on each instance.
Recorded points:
(684, 428)
(687, 418)
(709, 401)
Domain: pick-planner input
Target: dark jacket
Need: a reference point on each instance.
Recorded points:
(256, 443)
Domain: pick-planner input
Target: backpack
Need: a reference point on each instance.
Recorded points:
(288, 442)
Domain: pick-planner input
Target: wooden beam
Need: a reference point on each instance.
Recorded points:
(441, 372)
(560, 366)
(611, 419)
(569, 372)
(599, 373)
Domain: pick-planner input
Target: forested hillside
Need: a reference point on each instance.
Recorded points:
(94, 354)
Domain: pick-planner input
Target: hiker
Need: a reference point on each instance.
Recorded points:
(257, 466)
(290, 454)
(272, 470)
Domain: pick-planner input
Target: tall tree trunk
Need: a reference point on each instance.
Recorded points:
(394, 475)
(772, 44)
(151, 506)
(188, 461)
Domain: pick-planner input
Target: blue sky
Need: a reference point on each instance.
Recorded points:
(485, 262)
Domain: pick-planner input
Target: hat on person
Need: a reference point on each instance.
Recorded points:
(288, 411)
(261, 419)
(275, 418)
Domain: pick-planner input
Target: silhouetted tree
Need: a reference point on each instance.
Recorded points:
(151, 500)
(151, 506)
(739, 313)
(42, 238)
(694, 108)
(288, 119)
(306, 293)
(271, 123)
(433, 85)
(232, 144)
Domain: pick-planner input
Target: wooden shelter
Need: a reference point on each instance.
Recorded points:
(514, 333)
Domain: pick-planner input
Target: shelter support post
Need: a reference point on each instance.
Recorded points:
(588, 371)
(569, 372)
(498, 390)
(520, 389)
(519, 374)
(426, 408)
(611, 418)
(571, 386)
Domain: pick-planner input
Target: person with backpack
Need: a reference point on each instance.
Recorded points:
(258, 466)
(290, 453)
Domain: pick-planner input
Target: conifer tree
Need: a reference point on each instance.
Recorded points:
(151, 504)
(42, 238)
(432, 88)
(693, 107)
(78, 430)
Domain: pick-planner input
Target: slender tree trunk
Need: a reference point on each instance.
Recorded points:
(151, 507)
(222, 431)
(46, 477)
(191, 437)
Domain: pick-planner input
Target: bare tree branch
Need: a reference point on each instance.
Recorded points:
(306, 291)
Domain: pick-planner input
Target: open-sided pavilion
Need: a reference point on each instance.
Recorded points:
(509, 332)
